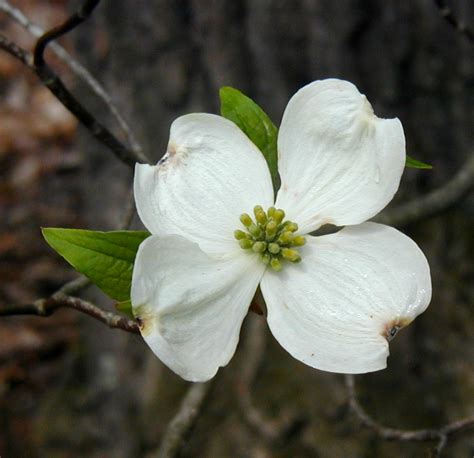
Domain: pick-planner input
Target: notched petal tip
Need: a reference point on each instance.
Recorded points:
(393, 327)
(337, 158)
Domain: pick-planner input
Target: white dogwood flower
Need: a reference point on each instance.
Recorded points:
(333, 301)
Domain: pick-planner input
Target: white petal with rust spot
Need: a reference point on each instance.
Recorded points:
(211, 174)
(191, 306)
(333, 310)
(338, 162)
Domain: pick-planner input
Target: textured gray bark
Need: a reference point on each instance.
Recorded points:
(162, 59)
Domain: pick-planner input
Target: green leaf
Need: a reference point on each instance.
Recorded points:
(255, 123)
(416, 164)
(106, 258)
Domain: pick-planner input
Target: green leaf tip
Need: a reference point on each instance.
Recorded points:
(255, 123)
(416, 164)
(106, 258)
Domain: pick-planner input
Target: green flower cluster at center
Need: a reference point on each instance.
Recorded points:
(270, 236)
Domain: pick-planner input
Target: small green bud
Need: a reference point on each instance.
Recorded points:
(246, 244)
(261, 217)
(290, 255)
(239, 235)
(273, 248)
(278, 215)
(299, 240)
(276, 264)
(271, 230)
(286, 237)
(271, 211)
(259, 247)
(290, 226)
(255, 230)
(266, 258)
(245, 219)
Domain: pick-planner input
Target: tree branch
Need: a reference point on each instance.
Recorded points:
(447, 13)
(74, 286)
(52, 81)
(421, 435)
(272, 431)
(183, 421)
(79, 70)
(434, 202)
(14, 50)
(46, 307)
(253, 351)
(69, 24)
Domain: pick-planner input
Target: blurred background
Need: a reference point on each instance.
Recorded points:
(69, 386)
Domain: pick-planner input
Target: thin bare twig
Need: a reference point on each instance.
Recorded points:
(435, 202)
(45, 307)
(253, 351)
(52, 81)
(183, 421)
(272, 431)
(421, 435)
(78, 69)
(443, 440)
(16, 51)
(74, 286)
(76, 19)
(447, 13)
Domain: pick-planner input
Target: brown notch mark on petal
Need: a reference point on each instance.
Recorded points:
(392, 328)
(173, 157)
(146, 320)
(172, 149)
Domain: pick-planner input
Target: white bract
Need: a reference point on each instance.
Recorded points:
(335, 301)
